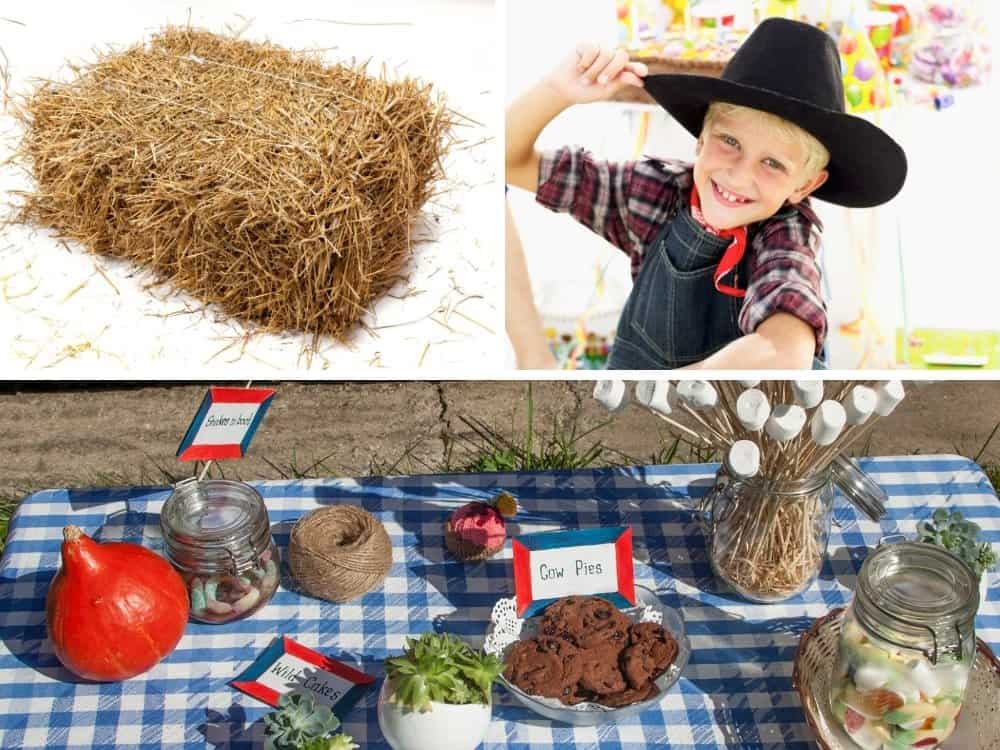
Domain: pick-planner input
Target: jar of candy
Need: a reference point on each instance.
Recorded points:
(218, 536)
(767, 538)
(907, 643)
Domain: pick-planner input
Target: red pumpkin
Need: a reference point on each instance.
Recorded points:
(114, 610)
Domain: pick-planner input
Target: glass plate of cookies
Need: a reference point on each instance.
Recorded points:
(585, 661)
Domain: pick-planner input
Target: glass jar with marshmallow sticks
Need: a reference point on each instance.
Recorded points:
(784, 447)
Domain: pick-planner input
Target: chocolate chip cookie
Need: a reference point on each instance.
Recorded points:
(567, 653)
(601, 673)
(630, 695)
(652, 651)
(586, 621)
(534, 670)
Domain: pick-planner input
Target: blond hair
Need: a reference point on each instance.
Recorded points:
(817, 157)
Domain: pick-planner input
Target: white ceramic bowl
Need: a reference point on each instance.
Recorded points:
(444, 727)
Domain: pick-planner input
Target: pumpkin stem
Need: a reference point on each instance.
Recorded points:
(71, 533)
(78, 550)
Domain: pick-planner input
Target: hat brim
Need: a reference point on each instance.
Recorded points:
(867, 167)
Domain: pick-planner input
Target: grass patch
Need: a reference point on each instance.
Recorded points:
(7, 506)
(567, 446)
(487, 449)
(991, 468)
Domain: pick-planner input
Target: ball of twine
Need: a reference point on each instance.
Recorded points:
(339, 552)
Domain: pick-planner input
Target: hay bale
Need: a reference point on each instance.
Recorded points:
(253, 177)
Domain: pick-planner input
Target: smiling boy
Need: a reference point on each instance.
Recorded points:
(724, 252)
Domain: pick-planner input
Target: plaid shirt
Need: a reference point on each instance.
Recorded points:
(628, 203)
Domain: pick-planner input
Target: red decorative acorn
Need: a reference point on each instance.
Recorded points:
(114, 610)
(478, 530)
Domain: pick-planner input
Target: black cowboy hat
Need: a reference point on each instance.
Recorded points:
(792, 70)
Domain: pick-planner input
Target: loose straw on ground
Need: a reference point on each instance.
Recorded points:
(255, 178)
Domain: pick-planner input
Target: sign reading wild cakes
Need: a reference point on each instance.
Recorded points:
(287, 666)
(225, 423)
(590, 562)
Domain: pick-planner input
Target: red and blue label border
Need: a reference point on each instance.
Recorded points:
(523, 546)
(247, 680)
(216, 395)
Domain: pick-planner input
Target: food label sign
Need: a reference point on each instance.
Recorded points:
(225, 423)
(592, 562)
(287, 666)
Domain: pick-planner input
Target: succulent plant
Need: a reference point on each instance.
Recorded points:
(298, 723)
(960, 537)
(443, 669)
(337, 742)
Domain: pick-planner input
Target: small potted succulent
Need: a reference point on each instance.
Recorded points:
(950, 530)
(437, 695)
(301, 724)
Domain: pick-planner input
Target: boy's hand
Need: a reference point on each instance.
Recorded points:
(593, 74)
(590, 74)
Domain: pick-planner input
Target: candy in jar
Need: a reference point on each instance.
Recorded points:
(906, 648)
(218, 536)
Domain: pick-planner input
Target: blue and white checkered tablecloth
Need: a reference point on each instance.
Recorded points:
(735, 693)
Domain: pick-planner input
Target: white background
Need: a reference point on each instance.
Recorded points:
(947, 208)
(59, 318)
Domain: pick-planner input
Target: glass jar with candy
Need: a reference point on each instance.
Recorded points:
(218, 536)
(906, 648)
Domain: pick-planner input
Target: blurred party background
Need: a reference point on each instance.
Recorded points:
(908, 284)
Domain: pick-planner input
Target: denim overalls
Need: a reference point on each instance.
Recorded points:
(674, 315)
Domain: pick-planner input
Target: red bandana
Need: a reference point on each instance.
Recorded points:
(734, 253)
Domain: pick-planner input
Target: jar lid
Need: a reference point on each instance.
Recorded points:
(858, 487)
(917, 595)
(214, 523)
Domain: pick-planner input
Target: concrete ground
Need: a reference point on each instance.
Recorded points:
(82, 435)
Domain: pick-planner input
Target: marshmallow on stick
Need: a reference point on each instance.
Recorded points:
(859, 404)
(828, 422)
(743, 459)
(658, 395)
(887, 397)
(611, 393)
(808, 393)
(698, 394)
(753, 409)
(786, 421)
(749, 383)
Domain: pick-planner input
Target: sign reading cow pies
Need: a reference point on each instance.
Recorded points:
(590, 562)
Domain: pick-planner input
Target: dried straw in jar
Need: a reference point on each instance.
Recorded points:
(255, 178)
(767, 544)
(339, 552)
